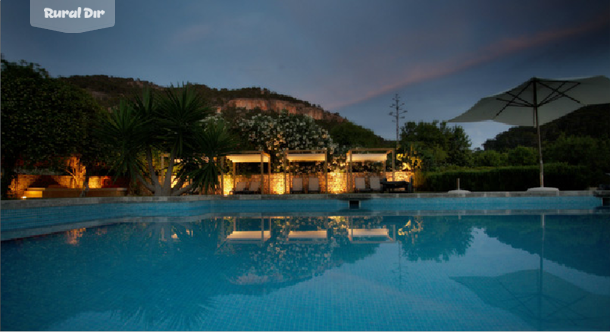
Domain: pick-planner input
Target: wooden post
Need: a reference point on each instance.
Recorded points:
(234, 175)
(393, 164)
(326, 169)
(262, 172)
(284, 162)
(349, 178)
(222, 176)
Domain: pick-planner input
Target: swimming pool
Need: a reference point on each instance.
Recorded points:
(385, 266)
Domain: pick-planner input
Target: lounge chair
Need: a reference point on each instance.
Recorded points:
(297, 186)
(240, 188)
(314, 185)
(391, 186)
(375, 184)
(255, 188)
(361, 186)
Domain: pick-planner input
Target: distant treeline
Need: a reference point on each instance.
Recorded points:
(108, 90)
(590, 121)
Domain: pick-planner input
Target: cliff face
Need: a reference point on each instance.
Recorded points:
(108, 91)
(279, 105)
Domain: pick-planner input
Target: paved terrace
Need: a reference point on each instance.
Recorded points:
(35, 203)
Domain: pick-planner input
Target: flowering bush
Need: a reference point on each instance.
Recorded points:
(274, 134)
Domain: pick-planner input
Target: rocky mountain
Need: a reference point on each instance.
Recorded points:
(108, 91)
(277, 105)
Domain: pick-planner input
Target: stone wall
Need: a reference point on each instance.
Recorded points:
(25, 181)
(337, 182)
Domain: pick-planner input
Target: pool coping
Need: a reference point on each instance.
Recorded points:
(54, 202)
(250, 206)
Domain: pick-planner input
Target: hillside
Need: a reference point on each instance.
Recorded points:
(592, 121)
(108, 91)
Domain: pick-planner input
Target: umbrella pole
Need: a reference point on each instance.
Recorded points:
(540, 152)
(539, 138)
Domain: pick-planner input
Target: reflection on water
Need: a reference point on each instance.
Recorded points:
(179, 275)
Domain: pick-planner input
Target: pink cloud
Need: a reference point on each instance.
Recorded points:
(502, 48)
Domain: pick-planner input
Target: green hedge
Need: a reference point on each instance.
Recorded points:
(515, 178)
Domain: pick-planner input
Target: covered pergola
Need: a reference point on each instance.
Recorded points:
(370, 154)
(296, 156)
(251, 157)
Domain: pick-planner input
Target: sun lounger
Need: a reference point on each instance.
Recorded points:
(314, 185)
(255, 188)
(297, 186)
(375, 184)
(361, 186)
(240, 188)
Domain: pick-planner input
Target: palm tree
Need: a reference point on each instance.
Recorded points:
(203, 169)
(172, 126)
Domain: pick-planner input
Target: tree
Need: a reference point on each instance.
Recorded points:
(436, 144)
(43, 119)
(489, 158)
(592, 121)
(590, 152)
(172, 125)
(459, 147)
(397, 114)
(276, 133)
(351, 135)
(522, 156)
(215, 141)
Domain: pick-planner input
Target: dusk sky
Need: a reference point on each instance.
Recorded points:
(350, 57)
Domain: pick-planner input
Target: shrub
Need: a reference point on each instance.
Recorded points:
(522, 156)
(514, 178)
(274, 134)
(490, 158)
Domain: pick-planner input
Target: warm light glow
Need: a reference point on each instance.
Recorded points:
(248, 158)
(306, 157)
(337, 183)
(175, 180)
(73, 236)
(401, 176)
(33, 193)
(96, 182)
(227, 185)
(278, 186)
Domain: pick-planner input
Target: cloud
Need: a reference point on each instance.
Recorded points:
(504, 47)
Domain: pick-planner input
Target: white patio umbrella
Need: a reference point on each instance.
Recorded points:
(539, 101)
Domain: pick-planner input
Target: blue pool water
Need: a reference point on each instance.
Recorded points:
(338, 270)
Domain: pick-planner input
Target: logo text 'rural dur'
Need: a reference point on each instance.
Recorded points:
(88, 13)
(72, 16)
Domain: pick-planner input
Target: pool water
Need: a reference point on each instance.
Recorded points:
(345, 272)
